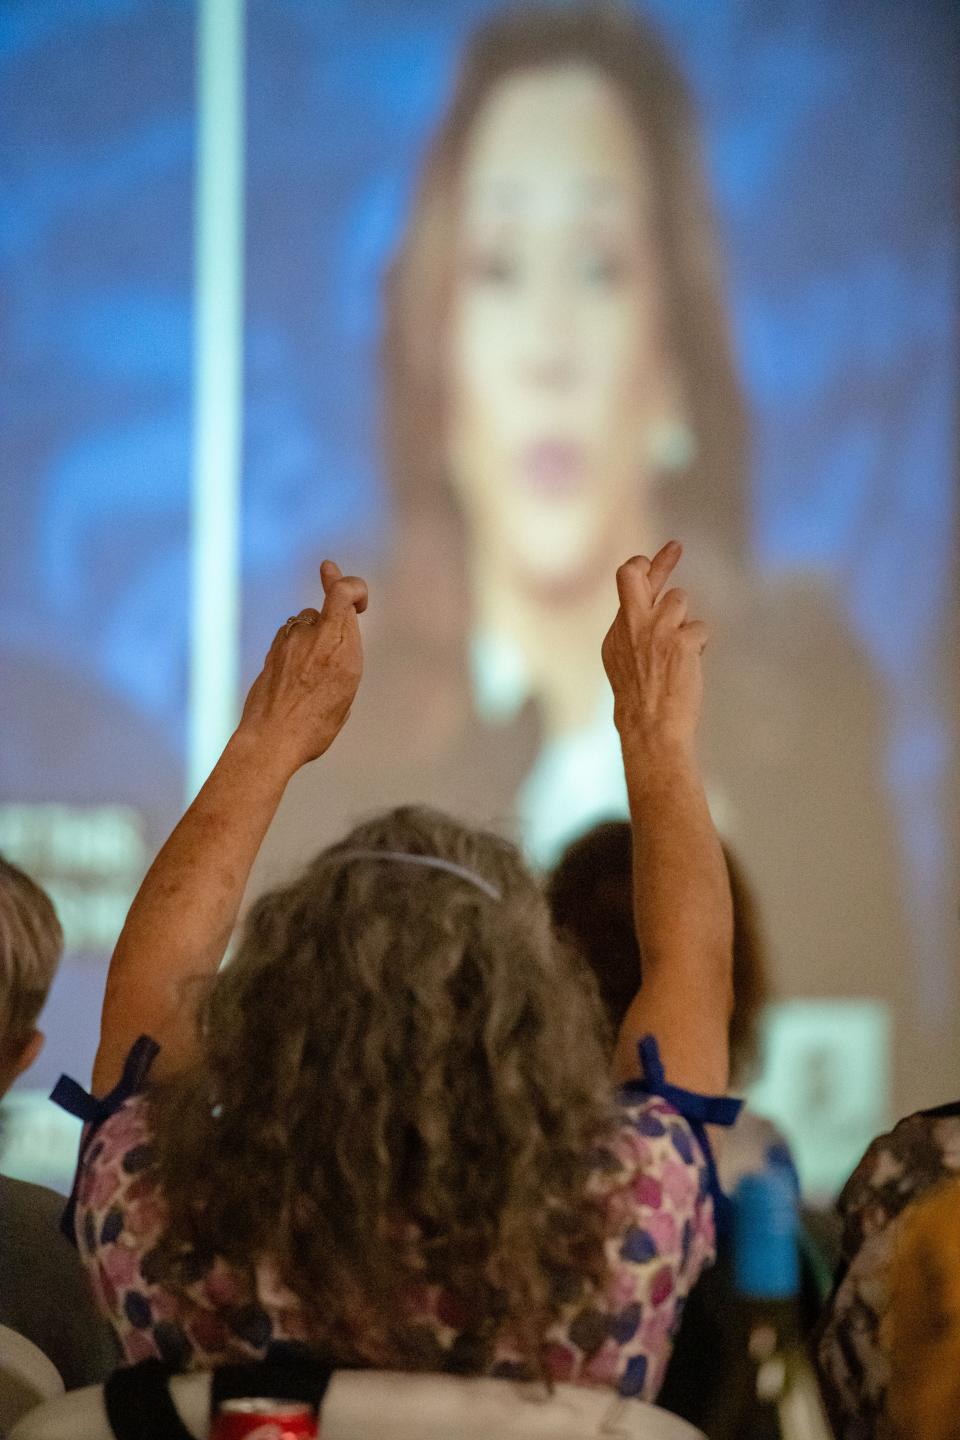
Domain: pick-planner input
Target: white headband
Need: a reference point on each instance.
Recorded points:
(435, 862)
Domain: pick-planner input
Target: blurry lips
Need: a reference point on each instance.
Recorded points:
(553, 469)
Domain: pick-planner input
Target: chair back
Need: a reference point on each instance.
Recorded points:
(387, 1405)
(27, 1378)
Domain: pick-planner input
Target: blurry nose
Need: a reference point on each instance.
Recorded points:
(553, 369)
(551, 348)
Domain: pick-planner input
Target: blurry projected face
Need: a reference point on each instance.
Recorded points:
(556, 361)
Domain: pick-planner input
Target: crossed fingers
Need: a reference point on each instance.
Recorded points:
(342, 593)
(345, 597)
(640, 583)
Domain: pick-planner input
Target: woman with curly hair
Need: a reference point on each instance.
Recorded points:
(387, 1127)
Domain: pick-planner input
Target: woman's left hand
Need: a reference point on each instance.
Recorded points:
(301, 699)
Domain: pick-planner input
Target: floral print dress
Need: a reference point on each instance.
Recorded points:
(654, 1176)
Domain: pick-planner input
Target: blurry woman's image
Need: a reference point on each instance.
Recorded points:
(543, 373)
(560, 382)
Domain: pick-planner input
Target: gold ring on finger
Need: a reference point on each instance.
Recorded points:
(299, 620)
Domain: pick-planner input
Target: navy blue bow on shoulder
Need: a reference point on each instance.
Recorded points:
(698, 1110)
(93, 1111)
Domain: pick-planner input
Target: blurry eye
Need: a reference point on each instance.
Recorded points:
(604, 269)
(494, 269)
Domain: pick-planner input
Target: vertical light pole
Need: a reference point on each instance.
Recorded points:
(214, 627)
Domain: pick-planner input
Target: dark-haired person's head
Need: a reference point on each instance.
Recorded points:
(31, 942)
(590, 892)
(556, 339)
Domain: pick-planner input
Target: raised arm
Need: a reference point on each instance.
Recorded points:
(180, 922)
(682, 907)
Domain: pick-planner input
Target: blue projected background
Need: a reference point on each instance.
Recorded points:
(828, 139)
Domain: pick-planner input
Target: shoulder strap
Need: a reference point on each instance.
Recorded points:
(139, 1405)
(288, 1372)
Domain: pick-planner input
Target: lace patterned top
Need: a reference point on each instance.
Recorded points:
(653, 1175)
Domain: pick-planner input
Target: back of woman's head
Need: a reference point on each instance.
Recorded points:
(393, 1046)
(590, 892)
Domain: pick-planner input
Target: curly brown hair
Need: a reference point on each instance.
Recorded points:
(401, 1082)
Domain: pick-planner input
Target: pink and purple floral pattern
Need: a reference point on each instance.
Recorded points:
(651, 1176)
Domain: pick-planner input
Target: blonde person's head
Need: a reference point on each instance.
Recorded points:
(394, 1047)
(920, 1331)
(31, 942)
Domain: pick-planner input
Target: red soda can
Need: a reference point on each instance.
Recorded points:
(262, 1419)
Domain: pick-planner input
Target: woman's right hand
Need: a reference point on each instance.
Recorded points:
(652, 656)
(301, 699)
(180, 922)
